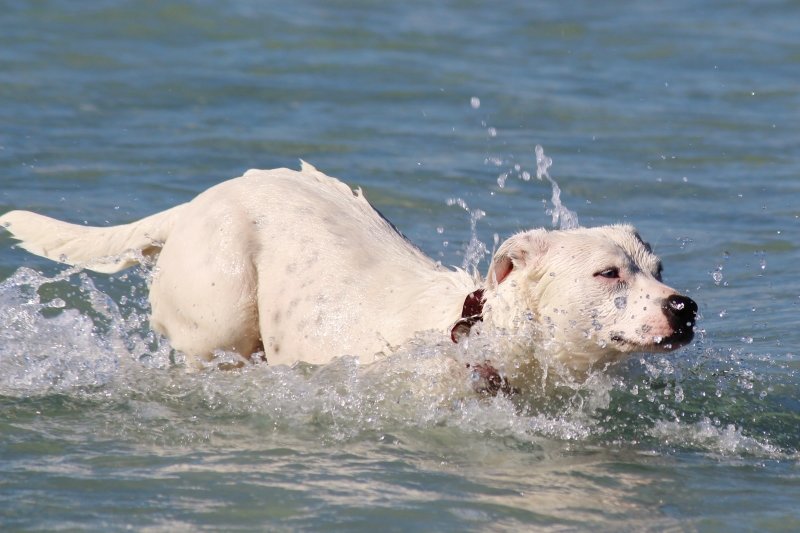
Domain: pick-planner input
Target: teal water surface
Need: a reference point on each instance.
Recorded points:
(680, 118)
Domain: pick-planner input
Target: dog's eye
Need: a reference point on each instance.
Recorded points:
(608, 273)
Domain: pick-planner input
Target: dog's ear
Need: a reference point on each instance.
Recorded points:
(517, 252)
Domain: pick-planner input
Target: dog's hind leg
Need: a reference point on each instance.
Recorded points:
(203, 294)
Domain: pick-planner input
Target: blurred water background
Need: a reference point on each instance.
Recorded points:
(679, 117)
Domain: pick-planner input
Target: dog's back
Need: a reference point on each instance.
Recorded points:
(303, 265)
(296, 264)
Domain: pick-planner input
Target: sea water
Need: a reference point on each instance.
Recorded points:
(680, 119)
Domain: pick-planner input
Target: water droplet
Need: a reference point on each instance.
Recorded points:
(542, 162)
(57, 303)
(679, 395)
(475, 102)
(747, 340)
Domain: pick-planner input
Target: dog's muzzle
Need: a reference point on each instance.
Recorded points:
(681, 313)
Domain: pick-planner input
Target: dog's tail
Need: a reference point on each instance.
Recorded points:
(102, 249)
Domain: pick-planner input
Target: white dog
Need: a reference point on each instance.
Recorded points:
(299, 267)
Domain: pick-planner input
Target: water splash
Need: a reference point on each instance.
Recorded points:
(58, 336)
(714, 438)
(563, 218)
(476, 249)
(65, 337)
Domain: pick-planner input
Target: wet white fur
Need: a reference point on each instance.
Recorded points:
(300, 263)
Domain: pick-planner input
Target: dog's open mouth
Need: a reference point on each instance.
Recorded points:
(681, 337)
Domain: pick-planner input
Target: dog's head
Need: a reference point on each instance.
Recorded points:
(592, 294)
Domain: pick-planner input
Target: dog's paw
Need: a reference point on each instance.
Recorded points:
(487, 380)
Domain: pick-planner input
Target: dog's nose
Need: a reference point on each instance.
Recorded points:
(681, 313)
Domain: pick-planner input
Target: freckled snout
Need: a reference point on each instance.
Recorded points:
(681, 313)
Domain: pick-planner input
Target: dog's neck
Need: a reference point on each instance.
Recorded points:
(471, 313)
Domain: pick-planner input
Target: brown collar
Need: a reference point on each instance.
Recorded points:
(470, 314)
